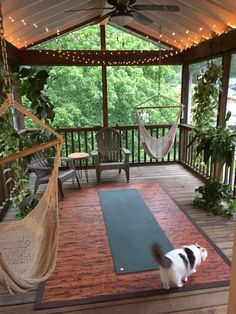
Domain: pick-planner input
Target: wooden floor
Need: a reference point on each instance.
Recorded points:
(180, 184)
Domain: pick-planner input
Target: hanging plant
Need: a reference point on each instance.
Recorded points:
(217, 143)
(32, 85)
(206, 96)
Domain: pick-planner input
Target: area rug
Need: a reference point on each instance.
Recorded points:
(132, 229)
(84, 271)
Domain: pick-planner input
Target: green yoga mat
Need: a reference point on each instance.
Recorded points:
(131, 229)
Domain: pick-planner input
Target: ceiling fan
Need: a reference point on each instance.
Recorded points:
(124, 11)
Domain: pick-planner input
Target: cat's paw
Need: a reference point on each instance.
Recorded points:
(180, 285)
(185, 279)
(194, 271)
(166, 286)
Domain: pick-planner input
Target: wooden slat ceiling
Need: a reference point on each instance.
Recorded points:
(27, 22)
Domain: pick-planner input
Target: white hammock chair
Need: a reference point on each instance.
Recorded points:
(28, 248)
(157, 148)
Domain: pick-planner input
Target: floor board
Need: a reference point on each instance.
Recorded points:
(180, 184)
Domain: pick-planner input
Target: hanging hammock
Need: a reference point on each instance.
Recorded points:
(28, 248)
(157, 148)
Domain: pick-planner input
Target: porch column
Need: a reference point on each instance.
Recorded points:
(226, 61)
(104, 77)
(185, 91)
(184, 101)
(232, 289)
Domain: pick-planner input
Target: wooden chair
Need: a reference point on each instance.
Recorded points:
(42, 167)
(108, 156)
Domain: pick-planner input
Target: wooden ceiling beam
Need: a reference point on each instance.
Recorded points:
(212, 48)
(12, 53)
(97, 57)
(62, 32)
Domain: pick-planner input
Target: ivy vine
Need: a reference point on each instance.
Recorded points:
(206, 96)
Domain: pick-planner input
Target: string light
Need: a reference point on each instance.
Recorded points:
(190, 41)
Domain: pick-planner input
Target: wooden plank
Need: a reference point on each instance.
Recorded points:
(226, 63)
(232, 291)
(212, 48)
(180, 184)
(157, 305)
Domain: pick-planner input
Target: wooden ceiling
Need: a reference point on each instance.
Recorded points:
(27, 22)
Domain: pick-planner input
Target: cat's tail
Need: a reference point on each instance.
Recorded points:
(160, 257)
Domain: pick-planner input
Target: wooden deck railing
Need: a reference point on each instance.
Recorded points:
(5, 190)
(83, 139)
(206, 171)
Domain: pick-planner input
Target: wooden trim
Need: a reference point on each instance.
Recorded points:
(67, 30)
(232, 289)
(104, 91)
(156, 107)
(12, 53)
(103, 37)
(212, 48)
(28, 151)
(104, 77)
(226, 62)
(4, 209)
(97, 57)
(185, 91)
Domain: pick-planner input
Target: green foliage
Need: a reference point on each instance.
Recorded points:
(206, 96)
(23, 201)
(216, 198)
(32, 85)
(87, 38)
(117, 38)
(21, 197)
(76, 92)
(216, 142)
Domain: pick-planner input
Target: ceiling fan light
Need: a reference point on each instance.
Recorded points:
(121, 19)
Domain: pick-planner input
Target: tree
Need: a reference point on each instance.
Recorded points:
(76, 92)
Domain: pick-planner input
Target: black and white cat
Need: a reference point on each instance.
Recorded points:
(178, 264)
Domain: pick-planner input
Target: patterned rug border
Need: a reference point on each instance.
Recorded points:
(122, 296)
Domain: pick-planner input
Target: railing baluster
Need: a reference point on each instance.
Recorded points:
(131, 139)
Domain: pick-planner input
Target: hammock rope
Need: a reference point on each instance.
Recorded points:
(28, 248)
(157, 148)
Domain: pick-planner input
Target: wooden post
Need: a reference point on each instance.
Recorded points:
(185, 91)
(104, 77)
(232, 289)
(226, 61)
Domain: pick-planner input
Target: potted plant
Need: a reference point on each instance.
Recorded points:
(217, 143)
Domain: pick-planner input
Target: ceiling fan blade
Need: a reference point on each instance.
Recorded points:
(142, 19)
(103, 17)
(112, 2)
(79, 10)
(155, 7)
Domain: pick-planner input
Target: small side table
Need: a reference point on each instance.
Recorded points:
(83, 157)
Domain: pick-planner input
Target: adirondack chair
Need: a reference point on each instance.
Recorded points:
(41, 166)
(109, 153)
